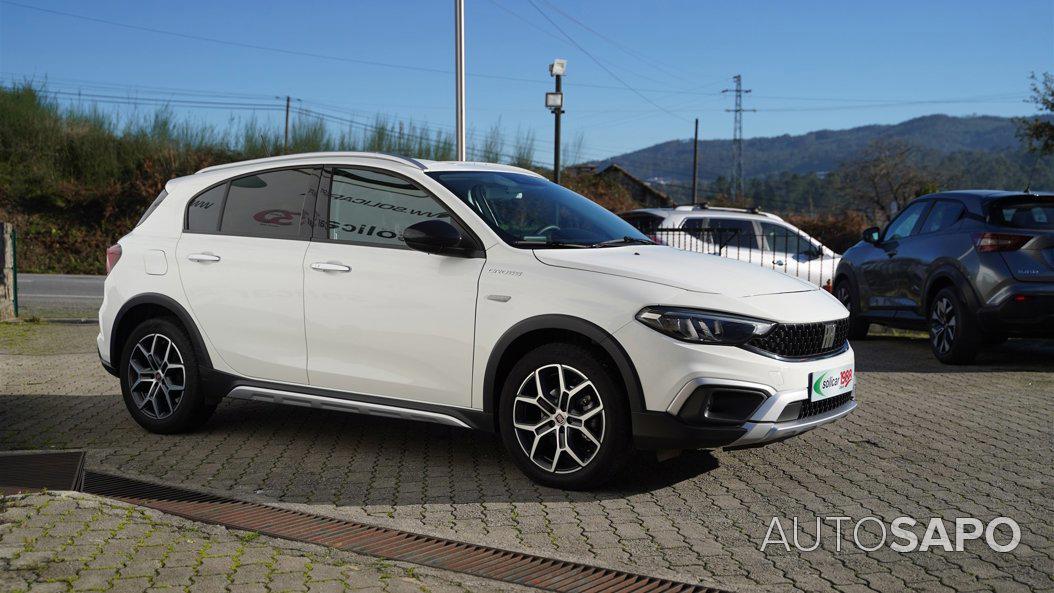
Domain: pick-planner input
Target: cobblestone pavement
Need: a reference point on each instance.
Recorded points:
(927, 441)
(51, 543)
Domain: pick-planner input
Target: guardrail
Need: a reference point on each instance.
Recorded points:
(791, 253)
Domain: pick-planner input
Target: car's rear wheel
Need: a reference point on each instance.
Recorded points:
(159, 379)
(954, 337)
(563, 417)
(845, 292)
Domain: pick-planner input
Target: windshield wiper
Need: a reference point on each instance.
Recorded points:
(627, 240)
(552, 243)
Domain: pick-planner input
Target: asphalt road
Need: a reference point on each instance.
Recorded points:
(59, 295)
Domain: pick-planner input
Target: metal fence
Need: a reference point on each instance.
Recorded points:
(789, 252)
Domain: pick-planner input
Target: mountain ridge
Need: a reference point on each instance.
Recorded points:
(818, 151)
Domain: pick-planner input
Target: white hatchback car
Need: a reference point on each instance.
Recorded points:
(747, 235)
(468, 294)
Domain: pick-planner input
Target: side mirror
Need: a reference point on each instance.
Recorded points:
(432, 236)
(871, 235)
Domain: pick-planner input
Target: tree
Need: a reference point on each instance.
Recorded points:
(1036, 132)
(885, 177)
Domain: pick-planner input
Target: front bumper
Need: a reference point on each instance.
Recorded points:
(761, 433)
(781, 416)
(671, 371)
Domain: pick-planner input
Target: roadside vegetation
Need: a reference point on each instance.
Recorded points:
(75, 179)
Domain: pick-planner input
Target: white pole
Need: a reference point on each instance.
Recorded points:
(459, 68)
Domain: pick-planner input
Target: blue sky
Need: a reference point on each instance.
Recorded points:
(811, 65)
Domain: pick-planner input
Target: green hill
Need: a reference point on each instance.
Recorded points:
(818, 151)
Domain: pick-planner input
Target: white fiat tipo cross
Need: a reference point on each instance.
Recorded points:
(469, 294)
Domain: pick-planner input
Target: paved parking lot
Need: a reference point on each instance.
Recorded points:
(927, 441)
(51, 543)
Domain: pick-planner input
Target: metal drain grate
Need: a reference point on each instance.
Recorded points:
(32, 472)
(491, 563)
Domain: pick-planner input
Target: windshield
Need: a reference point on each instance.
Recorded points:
(530, 212)
(1025, 212)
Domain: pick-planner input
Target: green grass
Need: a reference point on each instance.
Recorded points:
(41, 339)
(73, 179)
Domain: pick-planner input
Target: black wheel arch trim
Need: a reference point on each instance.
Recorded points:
(846, 270)
(947, 272)
(166, 302)
(625, 367)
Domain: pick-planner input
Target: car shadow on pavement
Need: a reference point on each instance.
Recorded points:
(284, 454)
(900, 354)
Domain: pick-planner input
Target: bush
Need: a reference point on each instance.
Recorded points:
(837, 231)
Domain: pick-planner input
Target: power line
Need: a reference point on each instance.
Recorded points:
(313, 55)
(599, 63)
(628, 50)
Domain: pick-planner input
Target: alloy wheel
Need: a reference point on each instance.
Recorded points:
(943, 325)
(157, 376)
(559, 419)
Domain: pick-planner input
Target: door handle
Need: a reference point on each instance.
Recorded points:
(203, 257)
(322, 266)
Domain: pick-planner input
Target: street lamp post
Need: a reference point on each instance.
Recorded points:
(459, 74)
(555, 102)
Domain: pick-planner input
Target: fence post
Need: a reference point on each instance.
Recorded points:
(8, 275)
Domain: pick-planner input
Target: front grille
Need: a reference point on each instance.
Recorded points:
(802, 340)
(825, 405)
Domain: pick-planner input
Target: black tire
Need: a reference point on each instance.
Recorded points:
(588, 466)
(161, 346)
(954, 335)
(846, 294)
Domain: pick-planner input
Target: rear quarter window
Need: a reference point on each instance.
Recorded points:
(203, 212)
(643, 222)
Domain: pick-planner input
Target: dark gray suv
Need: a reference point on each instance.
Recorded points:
(973, 267)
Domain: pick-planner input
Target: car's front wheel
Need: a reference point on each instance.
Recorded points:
(159, 379)
(954, 337)
(563, 417)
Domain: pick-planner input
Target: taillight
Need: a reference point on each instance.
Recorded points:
(657, 240)
(113, 253)
(1000, 241)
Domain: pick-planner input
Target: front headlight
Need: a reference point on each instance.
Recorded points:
(703, 327)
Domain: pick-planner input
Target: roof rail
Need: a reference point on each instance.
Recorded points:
(692, 207)
(310, 155)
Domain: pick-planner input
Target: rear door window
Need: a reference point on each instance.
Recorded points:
(785, 240)
(944, 214)
(269, 204)
(696, 227)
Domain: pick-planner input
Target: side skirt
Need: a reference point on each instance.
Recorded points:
(218, 384)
